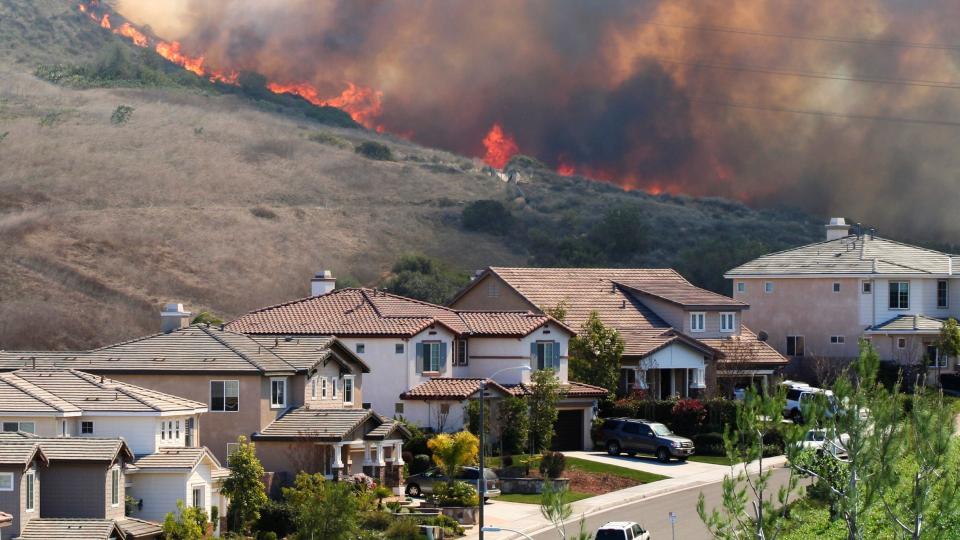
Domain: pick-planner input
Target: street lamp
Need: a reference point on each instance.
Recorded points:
(482, 482)
(499, 529)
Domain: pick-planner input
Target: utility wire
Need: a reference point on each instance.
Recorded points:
(806, 37)
(828, 114)
(812, 74)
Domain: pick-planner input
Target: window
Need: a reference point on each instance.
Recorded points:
(545, 355)
(943, 293)
(444, 408)
(631, 428)
(837, 340)
(188, 431)
(86, 428)
(935, 359)
(26, 427)
(6, 481)
(63, 428)
(493, 289)
(431, 356)
(899, 295)
(361, 348)
(198, 496)
(741, 287)
(348, 389)
(836, 287)
(114, 487)
(727, 321)
(398, 348)
(31, 492)
(794, 345)
(313, 388)
(178, 430)
(225, 396)
(901, 343)
(333, 387)
(460, 352)
(323, 388)
(866, 287)
(278, 393)
(398, 408)
(697, 321)
(768, 287)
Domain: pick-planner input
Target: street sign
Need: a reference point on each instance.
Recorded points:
(673, 518)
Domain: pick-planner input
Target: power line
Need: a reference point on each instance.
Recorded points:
(828, 114)
(812, 74)
(806, 37)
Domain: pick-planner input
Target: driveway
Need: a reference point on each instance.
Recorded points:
(673, 469)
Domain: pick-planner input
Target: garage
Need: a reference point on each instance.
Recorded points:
(568, 431)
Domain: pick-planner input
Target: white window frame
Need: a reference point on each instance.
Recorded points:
(898, 308)
(193, 495)
(283, 393)
(435, 360)
(352, 391)
(30, 492)
(732, 316)
(361, 348)
(866, 286)
(901, 343)
(946, 298)
(224, 381)
(313, 387)
(787, 348)
(83, 424)
(323, 388)
(398, 407)
(115, 487)
(835, 287)
(231, 448)
(768, 287)
(838, 340)
(10, 476)
(741, 286)
(702, 316)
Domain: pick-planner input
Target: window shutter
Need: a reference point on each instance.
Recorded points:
(533, 355)
(556, 356)
(443, 357)
(419, 357)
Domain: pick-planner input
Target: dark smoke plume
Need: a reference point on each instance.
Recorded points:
(648, 94)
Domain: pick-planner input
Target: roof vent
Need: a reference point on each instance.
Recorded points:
(837, 228)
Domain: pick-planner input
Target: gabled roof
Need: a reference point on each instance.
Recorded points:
(369, 312)
(328, 425)
(68, 392)
(450, 389)
(71, 529)
(681, 293)
(850, 256)
(309, 352)
(73, 448)
(908, 324)
(135, 528)
(745, 349)
(570, 390)
(20, 451)
(176, 458)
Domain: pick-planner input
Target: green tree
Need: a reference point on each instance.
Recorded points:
(514, 422)
(423, 278)
(189, 523)
(757, 415)
(949, 341)
(244, 486)
(451, 452)
(559, 311)
(595, 354)
(556, 508)
(701, 262)
(205, 317)
(544, 397)
(472, 410)
(323, 510)
(621, 234)
(487, 216)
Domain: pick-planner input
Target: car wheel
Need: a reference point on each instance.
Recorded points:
(662, 455)
(681, 459)
(613, 448)
(413, 490)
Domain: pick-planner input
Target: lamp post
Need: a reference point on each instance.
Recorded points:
(499, 529)
(482, 482)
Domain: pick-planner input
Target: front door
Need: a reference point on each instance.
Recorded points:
(666, 383)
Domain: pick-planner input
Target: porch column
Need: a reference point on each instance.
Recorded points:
(398, 453)
(380, 462)
(337, 462)
(367, 461)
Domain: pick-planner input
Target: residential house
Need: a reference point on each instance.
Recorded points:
(679, 339)
(75, 486)
(816, 301)
(20, 462)
(160, 429)
(299, 399)
(427, 360)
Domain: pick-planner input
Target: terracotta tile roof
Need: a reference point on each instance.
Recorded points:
(850, 255)
(368, 312)
(450, 389)
(72, 448)
(745, 349)
(319, 424)
(68, 392)
(572, 389)
(137, 528)
(176, 458)
(70, 529)
(908, 324)
(682, 293)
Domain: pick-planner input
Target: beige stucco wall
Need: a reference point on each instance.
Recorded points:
(805, 307)
(477, 298)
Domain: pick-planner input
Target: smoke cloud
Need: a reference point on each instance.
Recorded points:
(838, 108)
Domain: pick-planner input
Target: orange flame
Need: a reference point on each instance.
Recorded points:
(565, 168)
(362, 104)
(171, 51)
(128, 31)
(500, 147)
(105, 21)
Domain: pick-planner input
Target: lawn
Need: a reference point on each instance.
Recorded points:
(716, 460)
(641, 477)
(534, 498)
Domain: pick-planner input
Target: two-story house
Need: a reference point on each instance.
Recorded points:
(427, 360)
(299, 399)
(816, 301)
(679, 339)
(65, 405)
(69, 487)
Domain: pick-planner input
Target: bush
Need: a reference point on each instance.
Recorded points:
(451, 527)
(263, 212)
(709, 444)
(276, 517)
(552, 464)
(487, 216)
(688, 416)
(455, 493)
(269, 535)
(375, 150)
(420, 463)
(329, 139)
(721, 413)
(376, 520)
(404, 529)
(121, 114)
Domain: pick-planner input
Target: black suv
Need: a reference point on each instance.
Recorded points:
(635, 436)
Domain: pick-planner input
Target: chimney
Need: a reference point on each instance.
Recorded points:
(173, 317)
(322, 283)
(837, 228)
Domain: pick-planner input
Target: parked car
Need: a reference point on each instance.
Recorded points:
(636, 436)
(798, 396)
(818, 440)
(621, 530)
(422, 483)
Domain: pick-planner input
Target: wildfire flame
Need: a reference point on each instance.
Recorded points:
(105, 21)
(500, 147)
(128, 31)
(171, 51)
(362, 104)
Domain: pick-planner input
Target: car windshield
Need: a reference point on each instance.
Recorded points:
(610, 534)
(661, 430)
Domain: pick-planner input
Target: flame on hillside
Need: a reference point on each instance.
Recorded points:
(500, 147)
(362, 104)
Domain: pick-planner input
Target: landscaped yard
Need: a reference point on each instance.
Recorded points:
(716, 460)
(534, 498)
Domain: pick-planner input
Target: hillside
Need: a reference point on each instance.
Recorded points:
(227, 204)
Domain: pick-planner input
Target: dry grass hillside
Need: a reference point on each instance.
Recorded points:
(206, 198)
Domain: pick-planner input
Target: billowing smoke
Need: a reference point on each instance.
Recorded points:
(846, 108)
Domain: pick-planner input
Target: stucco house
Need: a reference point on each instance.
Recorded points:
(299, 399)
(680, 340)
(427, 360)
(816, 301)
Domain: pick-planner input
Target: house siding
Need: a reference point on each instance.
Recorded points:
(15, 502)
(159, 492)
(78, 490)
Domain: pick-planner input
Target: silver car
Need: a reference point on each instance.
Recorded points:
(422, 483)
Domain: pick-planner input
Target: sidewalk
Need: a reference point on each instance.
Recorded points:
(527, 518)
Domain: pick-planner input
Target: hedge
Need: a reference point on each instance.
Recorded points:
(720, 412)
